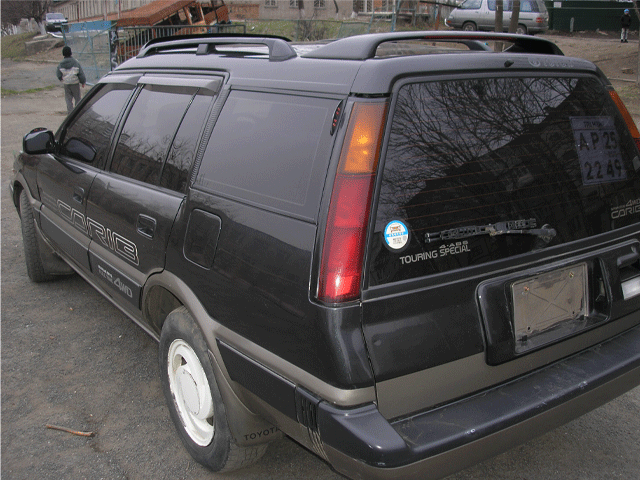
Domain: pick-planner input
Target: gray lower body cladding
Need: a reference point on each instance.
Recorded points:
(361, 443)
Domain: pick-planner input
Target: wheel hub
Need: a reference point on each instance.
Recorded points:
(189, 390)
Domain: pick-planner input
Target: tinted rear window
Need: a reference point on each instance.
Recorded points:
(470, 157)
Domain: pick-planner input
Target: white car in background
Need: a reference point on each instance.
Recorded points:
(474, 15)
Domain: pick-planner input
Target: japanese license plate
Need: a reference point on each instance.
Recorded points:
(598, 147)
(549, 306)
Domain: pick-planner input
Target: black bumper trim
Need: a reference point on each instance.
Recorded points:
(364, 435)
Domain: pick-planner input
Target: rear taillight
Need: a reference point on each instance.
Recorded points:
(345, 233)
(631, 125)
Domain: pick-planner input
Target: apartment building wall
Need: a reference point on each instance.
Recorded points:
(78, 10)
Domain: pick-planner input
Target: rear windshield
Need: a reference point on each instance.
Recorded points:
(484, 169)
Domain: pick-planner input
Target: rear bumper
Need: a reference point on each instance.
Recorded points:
(362, 444)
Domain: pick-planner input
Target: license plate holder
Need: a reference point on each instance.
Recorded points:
(550, 306)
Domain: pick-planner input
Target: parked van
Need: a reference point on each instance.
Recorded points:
(480, 15)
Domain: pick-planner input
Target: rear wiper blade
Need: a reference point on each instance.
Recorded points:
(511, 227)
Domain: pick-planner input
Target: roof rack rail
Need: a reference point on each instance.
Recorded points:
(279, 47)
(362, 47)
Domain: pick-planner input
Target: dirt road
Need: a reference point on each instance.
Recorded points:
(70, 358)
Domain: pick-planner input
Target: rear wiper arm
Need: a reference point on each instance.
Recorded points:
(511, 227)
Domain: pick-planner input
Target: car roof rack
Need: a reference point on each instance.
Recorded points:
(359, 47)
(279, 47)
(363, 47)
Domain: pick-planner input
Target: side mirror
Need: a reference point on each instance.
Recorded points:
(80, 150)
(38, 140)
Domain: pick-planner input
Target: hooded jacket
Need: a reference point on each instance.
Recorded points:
(70, 72)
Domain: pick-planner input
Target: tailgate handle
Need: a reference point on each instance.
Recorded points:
(627, 260)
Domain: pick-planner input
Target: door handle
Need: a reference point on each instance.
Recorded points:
(78, 194)
(146, 225)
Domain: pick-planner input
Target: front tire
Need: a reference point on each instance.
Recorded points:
(35, 267)
(194, 399)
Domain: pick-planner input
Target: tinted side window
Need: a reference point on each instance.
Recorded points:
(90, 132)
(528, 6)
(176, 169)
(271, 150)
(148, 132)
(471, 5)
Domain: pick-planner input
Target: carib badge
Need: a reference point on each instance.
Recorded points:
(396, 235)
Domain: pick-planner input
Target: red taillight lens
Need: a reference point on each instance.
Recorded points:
(345, 233)
(631, 125)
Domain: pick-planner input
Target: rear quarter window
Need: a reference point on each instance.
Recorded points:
(471, 5)
(270, 150)
(465, 155)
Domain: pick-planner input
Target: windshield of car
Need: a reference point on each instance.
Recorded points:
(54, 16)
(479, 170)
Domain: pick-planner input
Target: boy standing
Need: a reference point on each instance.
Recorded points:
(625, 21)
(70, 73)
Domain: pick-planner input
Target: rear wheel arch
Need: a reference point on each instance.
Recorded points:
(157, 304)
(194, 397)
(166, 289)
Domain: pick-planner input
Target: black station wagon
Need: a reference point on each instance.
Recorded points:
(405, 251)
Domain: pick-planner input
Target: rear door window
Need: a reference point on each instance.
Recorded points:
(470, 160)
(149, 131)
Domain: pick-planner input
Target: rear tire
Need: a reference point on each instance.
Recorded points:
(521, 29)
(35, 267)
(194, 399)
(469, 27)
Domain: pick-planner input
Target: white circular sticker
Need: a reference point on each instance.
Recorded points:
(396, 234)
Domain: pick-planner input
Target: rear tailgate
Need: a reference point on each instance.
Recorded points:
(506, 233)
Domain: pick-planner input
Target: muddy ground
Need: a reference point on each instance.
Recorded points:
(69, 358)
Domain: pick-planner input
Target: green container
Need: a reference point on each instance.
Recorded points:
(578, 16)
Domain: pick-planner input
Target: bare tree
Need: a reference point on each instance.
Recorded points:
(515, 15)
(635, 7)
(499, 23)
(15, 10)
